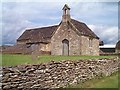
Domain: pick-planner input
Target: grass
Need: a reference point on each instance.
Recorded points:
(16, 59)
(104, 82)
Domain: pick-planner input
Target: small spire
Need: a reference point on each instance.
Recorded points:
(66, 7)
(66, 13)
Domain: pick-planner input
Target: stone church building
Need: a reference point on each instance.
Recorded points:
(70, 37)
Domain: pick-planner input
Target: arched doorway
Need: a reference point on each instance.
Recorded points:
(65, 48)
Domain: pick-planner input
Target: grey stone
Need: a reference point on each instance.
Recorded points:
(57, 74)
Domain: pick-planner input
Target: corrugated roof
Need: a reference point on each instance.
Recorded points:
(107, 46)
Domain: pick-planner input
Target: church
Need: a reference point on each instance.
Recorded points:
(70, 37)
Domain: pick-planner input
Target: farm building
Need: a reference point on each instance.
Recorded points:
(70, 37)
(107, 50)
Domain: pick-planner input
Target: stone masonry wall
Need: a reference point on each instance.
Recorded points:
(86, 49)
(64, 33)
(56, 74)
(45, 47)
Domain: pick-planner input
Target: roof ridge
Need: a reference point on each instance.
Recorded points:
(77, 20)
(42, 27)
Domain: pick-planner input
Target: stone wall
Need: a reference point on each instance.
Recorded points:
(86, 49)
(78, 44)
(64, 33)
(56, 74)
(45, 47)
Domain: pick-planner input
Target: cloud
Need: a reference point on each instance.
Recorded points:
(108, 34)
(17, 16)
(59, 0)
(96, 13)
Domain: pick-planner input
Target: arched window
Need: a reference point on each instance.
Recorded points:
(65, 48)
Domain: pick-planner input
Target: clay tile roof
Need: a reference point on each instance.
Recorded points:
(83, 29)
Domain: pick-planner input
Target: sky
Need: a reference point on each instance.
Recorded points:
(101, 17)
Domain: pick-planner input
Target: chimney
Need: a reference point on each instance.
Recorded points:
(66, 13)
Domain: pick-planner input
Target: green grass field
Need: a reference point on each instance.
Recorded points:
(12, 59)
(105, 82)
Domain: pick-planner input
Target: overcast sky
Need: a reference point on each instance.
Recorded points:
(101, 17)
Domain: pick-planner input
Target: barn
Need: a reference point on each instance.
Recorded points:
(107, 49)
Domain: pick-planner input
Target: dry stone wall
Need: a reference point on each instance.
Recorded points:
(56, 74)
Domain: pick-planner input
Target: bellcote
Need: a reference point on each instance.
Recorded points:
(66, 13)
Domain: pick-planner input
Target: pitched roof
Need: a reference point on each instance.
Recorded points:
(38, 34)
(66, 7)
(83, 28)
(44, 34)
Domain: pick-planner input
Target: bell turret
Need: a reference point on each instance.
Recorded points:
(66, 13)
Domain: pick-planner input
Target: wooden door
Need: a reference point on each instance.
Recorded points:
(65, 50)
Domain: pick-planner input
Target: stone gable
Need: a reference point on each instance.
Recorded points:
(62, 33)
